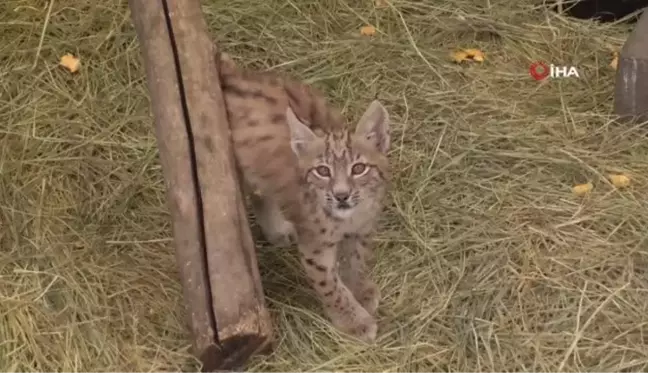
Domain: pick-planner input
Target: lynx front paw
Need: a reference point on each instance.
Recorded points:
(276, 229)
(366, 331)
(362, 325)
(369, 297)
(280, 233)
(365, 291)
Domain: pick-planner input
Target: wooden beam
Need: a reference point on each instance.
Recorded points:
(213, 244)
(631, 86)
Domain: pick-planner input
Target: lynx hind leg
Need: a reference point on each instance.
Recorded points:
(341, 307)
(275, 227)
(353, 272)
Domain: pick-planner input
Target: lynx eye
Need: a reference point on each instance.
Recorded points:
(358, 169)
(323, 171)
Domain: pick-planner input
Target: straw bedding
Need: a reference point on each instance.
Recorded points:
(486, 259)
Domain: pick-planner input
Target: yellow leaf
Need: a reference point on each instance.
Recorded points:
(619, 181)
(615, 60)
(70, 62)
(468, 54)
(368, 30)
(476, 54)
(582, 189)
(381, 4)
(459, 56)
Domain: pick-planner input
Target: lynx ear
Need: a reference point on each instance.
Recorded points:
(374, 126)
(300, 134)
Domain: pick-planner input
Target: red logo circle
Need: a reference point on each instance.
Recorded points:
(539, 70)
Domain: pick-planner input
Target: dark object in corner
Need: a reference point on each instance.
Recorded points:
(601, 10)
(631, 86)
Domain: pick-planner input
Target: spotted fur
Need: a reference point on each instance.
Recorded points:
(317, 182)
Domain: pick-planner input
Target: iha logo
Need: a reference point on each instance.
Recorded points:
(541, 71)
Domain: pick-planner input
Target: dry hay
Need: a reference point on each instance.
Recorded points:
(487, 261)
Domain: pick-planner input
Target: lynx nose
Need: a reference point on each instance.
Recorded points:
(341, 196)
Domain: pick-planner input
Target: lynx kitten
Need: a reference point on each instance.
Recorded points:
(318, 183)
